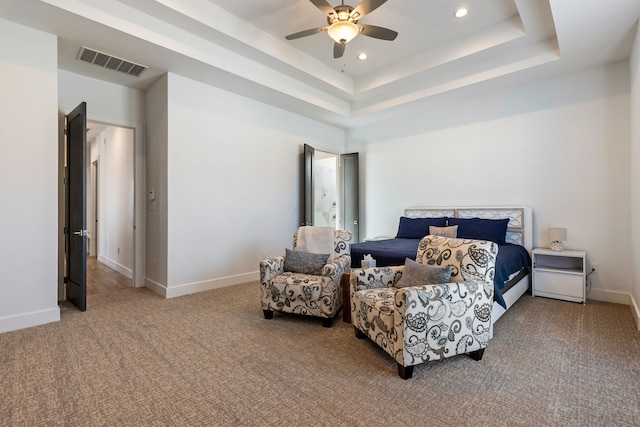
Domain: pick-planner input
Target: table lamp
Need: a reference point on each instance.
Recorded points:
(557, 236)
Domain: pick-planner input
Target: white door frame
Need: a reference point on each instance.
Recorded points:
(93, 229)
(139, 184)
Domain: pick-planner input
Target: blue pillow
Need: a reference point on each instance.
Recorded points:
(417, 228)
(493, 230)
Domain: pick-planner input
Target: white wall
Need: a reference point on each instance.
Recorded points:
(115, 145)
(156, 210)
(106, 102)
(560, 146)
(635, 178)
(232, 183)
(28, 177)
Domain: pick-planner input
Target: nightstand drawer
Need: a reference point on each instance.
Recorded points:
(555, 284)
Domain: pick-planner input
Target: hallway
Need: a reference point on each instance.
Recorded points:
(102, 279)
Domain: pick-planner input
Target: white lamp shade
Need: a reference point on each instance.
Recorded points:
(343, 31)
(557, 234)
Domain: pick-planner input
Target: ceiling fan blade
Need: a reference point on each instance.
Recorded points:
(324, 6)
(366, 7)
(306, 33)
(378, 32)
(338, 49)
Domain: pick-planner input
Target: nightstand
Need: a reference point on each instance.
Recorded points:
(561, 275)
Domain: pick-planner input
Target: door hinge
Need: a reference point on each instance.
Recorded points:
(66, 131)
(66, 230)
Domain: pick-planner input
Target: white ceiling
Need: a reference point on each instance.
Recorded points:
(240, 46)
(94, 129)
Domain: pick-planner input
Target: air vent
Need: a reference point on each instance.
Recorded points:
(109, 61)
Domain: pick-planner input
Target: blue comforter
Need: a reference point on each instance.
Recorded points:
(511, 258)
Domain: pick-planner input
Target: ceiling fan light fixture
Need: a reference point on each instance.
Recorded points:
(461, 12)
(343, 31)
(344, 14)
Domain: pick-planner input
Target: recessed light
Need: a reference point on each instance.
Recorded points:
(460, 12)
(362, 56)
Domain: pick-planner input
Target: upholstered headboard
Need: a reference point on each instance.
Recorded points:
(519, 229)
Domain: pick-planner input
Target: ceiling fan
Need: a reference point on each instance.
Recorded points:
(343, 24)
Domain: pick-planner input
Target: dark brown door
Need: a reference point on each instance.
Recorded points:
(309, 153)
(350, 194)
(76, 213)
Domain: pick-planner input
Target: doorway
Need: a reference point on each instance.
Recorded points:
(110, 207)
(330, 190)
(325, 189)
(98, 123)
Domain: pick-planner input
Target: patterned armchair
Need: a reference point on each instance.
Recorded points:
(429, 322)
(307, 294)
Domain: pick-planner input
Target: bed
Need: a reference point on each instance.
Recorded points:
(513, 264)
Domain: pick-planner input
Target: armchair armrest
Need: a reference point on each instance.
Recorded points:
(437, 321)
(271, 267)
(335, 268)
(376, 277)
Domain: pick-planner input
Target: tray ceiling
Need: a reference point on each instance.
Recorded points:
(240, 46)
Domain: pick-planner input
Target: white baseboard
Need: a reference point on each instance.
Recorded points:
(191, 288)
(635, 311)
(156, 287)
(609, 296)
(125, 271)
(28, 320)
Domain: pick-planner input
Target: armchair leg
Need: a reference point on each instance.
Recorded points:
(268, 314)
(327, 322)
(477, 355)
(359, 334)
(405, 372)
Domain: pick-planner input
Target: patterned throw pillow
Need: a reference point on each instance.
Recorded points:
(450, 231)
(416, 274)
(304, 262)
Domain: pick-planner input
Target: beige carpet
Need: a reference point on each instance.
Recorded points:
(211, 359)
